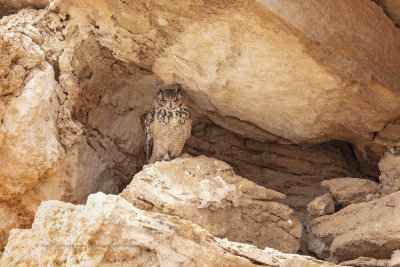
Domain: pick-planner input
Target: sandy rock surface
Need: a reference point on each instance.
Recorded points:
(207, 192)
(263, 80)
(395, 259)
(287, 168)
(109, 230)
(390, 171)
(322, 205)
(347, 191)
(366, 262)
(392, 9)
(369, 229)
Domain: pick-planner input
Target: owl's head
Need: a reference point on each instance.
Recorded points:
(169, 98)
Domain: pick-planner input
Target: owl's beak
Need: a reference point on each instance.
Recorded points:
(170, 105)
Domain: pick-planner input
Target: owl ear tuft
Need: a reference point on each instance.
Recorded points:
(179, 91)
(160, 91)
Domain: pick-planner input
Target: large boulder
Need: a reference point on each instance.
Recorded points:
(369, 229)
(207, 192)
(108, 230)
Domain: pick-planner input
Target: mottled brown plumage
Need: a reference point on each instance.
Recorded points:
(168, 125)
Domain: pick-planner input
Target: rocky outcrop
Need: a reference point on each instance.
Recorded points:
(207, 192)
(369, 229)
(262, 79)
(347, 191)
(109, 230)
(287, 168)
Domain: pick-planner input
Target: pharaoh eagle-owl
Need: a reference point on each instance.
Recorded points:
(168, 125)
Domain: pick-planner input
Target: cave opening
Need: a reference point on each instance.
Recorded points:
(115, 95)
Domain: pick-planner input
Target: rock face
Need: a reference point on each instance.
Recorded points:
(390, 172)
(347, 191)
(109, 231)
(207, 192)
(312, 60)
(369, 229)
(392, 9)
(262, 78)
(287, 168)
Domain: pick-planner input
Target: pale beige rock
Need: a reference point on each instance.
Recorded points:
(274, 89)
(28, 111)
(207, 192)
(43, 154)
(290, 169)
(108, 230)
(174, 50)
(28, 131)
(390, 171)
(316, 24)
(347, 191)
(370, 229)
(395, 259)
(366, 262)
(268, 76)
(320, 206)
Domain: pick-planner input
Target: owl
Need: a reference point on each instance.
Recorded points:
(168, 124)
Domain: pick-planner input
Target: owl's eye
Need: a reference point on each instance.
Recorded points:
(161, 101)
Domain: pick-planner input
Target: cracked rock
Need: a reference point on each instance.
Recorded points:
(109, 231)
(207, 192)
(369, 229)
(347, 191)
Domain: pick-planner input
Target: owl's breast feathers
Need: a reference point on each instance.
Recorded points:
(163, 122)
(165, 116)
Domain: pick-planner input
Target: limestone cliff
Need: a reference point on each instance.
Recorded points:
(284, 94)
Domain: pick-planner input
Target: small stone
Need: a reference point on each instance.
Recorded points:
(321, 205)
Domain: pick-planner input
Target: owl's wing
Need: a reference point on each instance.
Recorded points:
(148, 145)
